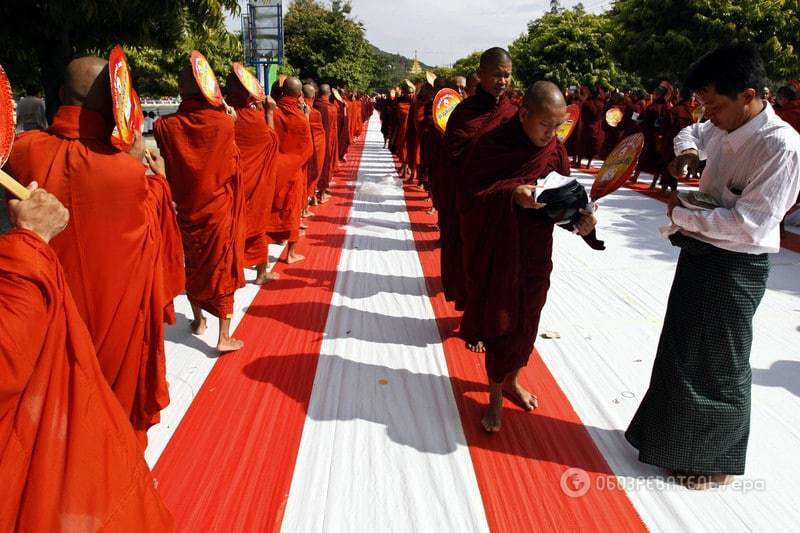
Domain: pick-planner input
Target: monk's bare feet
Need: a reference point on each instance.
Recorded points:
(478, 347)
(229, 345)
(521, 396)
(303, 226)
(198, 326)
(294, 257)
(266, 277)
(491, 419)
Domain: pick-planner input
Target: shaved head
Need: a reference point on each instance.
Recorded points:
(494, 57)
(234, 86)
(543, 110)
(309, 91)
(187, 86)
(325, 90)
(543, 94)
(292, 87)
(86, 84)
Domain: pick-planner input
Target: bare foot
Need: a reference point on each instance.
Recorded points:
(198, 328)
(229, 345)
(266, 277)
(478, 347)
(303, 226)
(521, 396)
(293, 258)
(491, 419)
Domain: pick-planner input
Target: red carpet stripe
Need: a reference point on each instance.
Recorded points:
(520, 469)
(230, 463)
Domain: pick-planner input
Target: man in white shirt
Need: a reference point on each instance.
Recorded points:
(31, 111)
(695, 417)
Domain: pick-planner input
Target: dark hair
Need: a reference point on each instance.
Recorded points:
(787, 92)
(731, 69)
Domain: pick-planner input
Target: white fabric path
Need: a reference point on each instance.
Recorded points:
(382, 447)
(190, 359)
(609, 307)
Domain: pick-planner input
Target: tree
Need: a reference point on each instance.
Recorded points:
(555, 7)
(325, 44)
(659, 38)
(155, 70)
(38, 39)
(569, 48)
(467, 65)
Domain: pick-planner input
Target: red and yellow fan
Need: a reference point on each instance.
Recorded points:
(618, 166)
(444, 103)
(206, 79)
(7, 128)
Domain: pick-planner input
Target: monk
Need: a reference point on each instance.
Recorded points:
(590, 141)
(356, 116)
(123, 286)
(473, 81)
(460, 85)
(508, 244)
(789, 101)
(344, 128)
(470, 119)
(400, 141)
(203, 170)
(330, 117)
(68, 456)
(654, 120)
(258, 157)
(296, 146)
(316, 164)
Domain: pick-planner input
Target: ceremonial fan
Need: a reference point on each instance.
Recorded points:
(205, 78)
(336, 94)
(698, 113)
(127, 108)
(444, 103)
(249, 82)
(568, 126)
(7, 128)
(430, 77)
(618, 166)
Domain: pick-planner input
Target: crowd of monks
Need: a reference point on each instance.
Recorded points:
(86, 301)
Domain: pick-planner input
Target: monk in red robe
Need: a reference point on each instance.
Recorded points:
(316, 165)
(123, 286)
(344, 129)
(788, 100)
(508, 244)
(68, 456)
(470, 119)
(654, 119)
(258, 157)
(400, 142)
(330, 120)
(593, 113)
(356, 116)
(295, 148)
(199, 146)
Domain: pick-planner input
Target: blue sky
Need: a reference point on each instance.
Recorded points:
(442, 31)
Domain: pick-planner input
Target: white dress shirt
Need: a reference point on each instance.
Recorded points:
(754, 174)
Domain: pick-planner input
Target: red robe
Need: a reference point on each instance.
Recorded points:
(202, 160)
(344, 129)
(654, 119)
(316, 164)
(469, 120)
(325, 109)
(334, 111)
(590, 143)
(258, 149)
(119, 251)
(356, 118)
(507, 249)
(68, 456)
(295, 148)
(400, 141)
(790, 112)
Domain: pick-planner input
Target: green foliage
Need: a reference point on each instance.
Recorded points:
(391, 69)
(38, 38)
(467, 65)
(156, 70)
(569, 48)
(325, 44)
(659, 38)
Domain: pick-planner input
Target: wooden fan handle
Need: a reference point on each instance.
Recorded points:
(13, 186)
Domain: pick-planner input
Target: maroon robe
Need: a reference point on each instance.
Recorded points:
(592, 119)
(507, 249)
(653, 119)
(472, 116)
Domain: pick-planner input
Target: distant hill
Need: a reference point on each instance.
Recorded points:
(394, 67)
